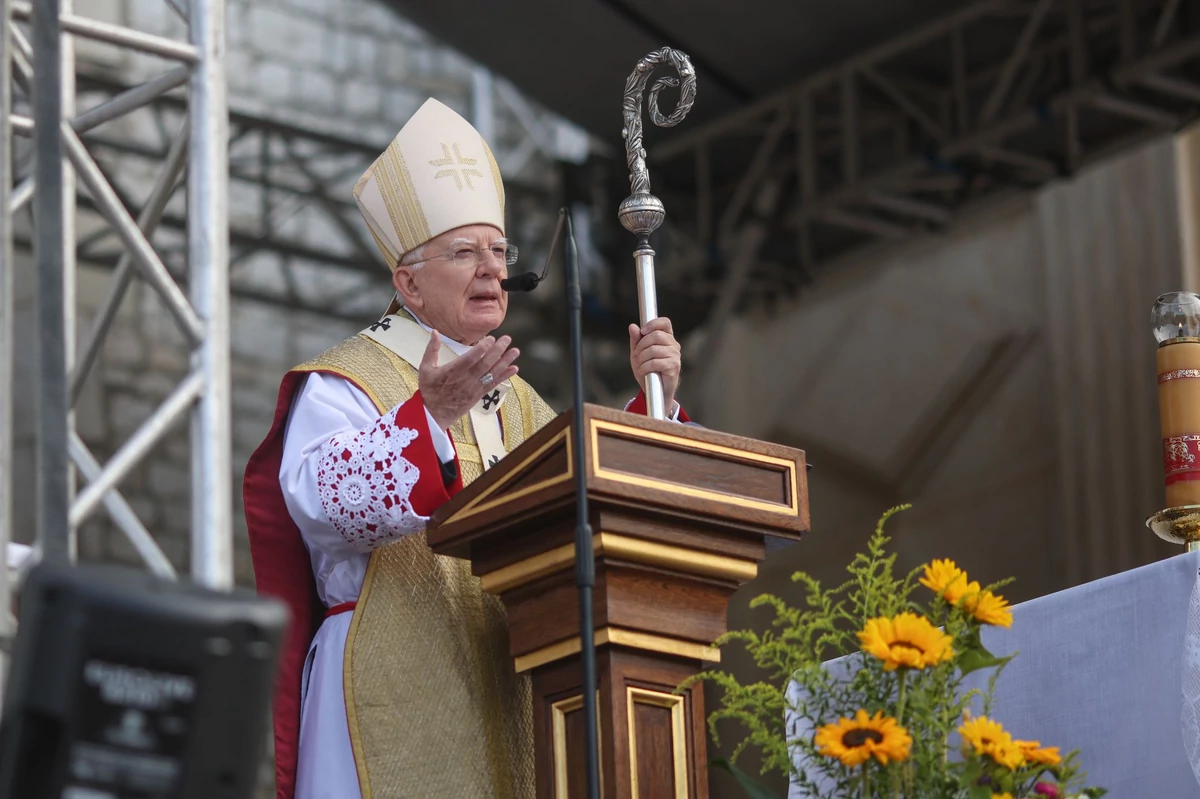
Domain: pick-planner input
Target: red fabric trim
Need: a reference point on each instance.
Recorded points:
(1178, 374)
(638, 406)
(340, 608)
(282, 568)
(430, 493)
(1181, 458)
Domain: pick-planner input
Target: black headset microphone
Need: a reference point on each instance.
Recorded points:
(528, 281)
(523, 282)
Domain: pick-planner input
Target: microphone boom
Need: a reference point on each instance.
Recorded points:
(529, 280)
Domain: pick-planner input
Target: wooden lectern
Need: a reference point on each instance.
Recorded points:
(679, 516)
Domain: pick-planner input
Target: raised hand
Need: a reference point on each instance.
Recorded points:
(450, 391)
(653, 348)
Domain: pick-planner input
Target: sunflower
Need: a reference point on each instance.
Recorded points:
(987, 737)
(854, 741)
(1005, 795)
(1034, 752)
(945, 578)
(989, 608)
(905, 641)
(1007, 754)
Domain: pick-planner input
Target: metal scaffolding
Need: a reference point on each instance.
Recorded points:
(282, 182)
(37, 57)
(907, 138)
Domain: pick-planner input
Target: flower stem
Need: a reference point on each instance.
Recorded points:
(900, 699)
(943, 687)
(866, 783)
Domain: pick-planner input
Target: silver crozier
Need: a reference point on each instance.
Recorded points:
(642, 213)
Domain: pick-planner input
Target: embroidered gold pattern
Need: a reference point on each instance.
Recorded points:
(460, 175)
(400, 196)
(491, 159)
(392, 258)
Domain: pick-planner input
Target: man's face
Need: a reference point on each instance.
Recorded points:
(449, 291)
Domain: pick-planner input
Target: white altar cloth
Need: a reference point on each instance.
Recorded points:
(1100, 669)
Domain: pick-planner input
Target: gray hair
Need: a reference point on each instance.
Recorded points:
(414, 258)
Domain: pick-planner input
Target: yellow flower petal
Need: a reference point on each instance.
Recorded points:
(1008, 755)
(981, 732)
(988, 737)
(945, 578)
(989, 608)
(854, 741)
(1034, 752)
(906, 641)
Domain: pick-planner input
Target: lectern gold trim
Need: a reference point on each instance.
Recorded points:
(686, 444)
(632, 549)
(614, 635)
(673, 703)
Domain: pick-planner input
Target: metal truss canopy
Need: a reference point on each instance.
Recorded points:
(903, 139)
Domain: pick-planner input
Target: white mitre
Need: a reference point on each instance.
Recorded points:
(436, 175)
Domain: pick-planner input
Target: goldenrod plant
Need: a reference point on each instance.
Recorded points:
(892, 719)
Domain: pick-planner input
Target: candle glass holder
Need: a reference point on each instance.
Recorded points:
(1176, 322)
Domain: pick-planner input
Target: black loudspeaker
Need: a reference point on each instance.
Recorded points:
(126, 686)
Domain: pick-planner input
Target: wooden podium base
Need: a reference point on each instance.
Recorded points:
(652, 739)
(680, 516)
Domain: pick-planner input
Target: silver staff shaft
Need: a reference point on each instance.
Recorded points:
(643, 259)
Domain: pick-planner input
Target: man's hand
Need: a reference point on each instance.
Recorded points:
(653, 348)
(450, 391)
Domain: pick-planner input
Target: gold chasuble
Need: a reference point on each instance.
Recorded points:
(434, 705)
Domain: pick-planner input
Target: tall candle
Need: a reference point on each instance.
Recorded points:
(1176, 318)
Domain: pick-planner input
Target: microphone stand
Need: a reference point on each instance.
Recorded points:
(585, 558)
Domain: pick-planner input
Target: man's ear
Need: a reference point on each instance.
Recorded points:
(406, 287)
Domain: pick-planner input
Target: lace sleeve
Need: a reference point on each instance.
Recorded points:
(366, 484)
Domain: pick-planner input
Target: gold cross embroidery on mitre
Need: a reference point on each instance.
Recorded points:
(460, 175)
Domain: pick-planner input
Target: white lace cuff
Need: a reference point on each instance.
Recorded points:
(365, 483)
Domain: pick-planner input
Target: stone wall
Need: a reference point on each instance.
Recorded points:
(350, 67)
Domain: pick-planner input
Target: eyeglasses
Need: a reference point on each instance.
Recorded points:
(466, 257)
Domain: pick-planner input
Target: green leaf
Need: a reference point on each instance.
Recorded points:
(976, 658)
(1095, 793)
(979, 792)
(753, 789)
